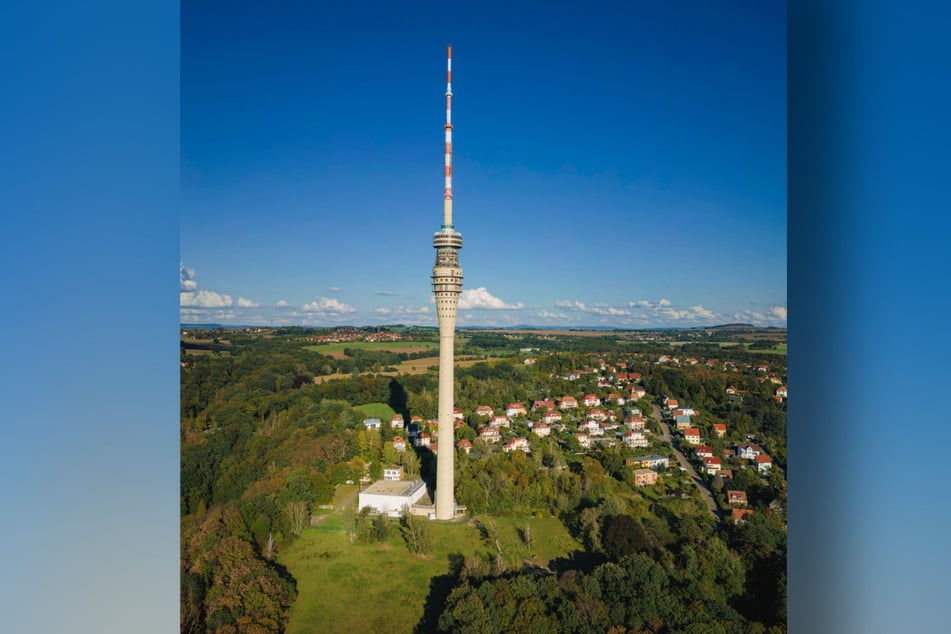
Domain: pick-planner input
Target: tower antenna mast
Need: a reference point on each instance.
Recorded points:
(447, 286)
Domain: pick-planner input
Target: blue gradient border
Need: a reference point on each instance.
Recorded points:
(90, 184)
(90, 447)
(868, 220)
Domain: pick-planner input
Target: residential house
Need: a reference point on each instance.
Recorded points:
(423, 439)
(484, 410)
(703, 451)
(490, 434)
(592, 427)
(567, 402)
(692, 435)
(748, 450)
(683, 411)
(500, 421)
(583, 439)
(515, 409)
(541, 429)
(761, 368)
(638, 392)
(392, 473)
(711, 465)
(464, 445)
(764, 463)
(719, 429)
(516, 444)
(644, 477)
(396, 422)
(653, 461)
(529, 361)
(635, 439)
(635, 422)
(591, 400)
(739, 515)
(398, 443)
(683, 422)
(457, 414)
(736, 498)
(551, 417)
(537, 405)
(617, 398)
(781, 392)
(597, 414)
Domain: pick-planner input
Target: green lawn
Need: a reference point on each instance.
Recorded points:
(383, 587)
(377, 410)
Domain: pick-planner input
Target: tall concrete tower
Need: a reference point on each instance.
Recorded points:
(447, 284)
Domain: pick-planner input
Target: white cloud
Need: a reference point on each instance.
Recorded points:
(480, 298)
(664, 302)
(700, 311)
(597, 309)
(328, 305)
(565, 303)
(604, 309)
(334, 289)
(389, 293)
(642, 303)
(774, 316)
(186, 278)
(282, 304)
(247, 303)
(204, 299)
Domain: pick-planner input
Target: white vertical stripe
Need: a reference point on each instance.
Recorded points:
(448, 135)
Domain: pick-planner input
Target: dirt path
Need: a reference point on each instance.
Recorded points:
(705, 492)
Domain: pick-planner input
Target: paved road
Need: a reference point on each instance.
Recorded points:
(701, 484)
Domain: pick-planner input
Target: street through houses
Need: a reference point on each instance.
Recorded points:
(675, 444)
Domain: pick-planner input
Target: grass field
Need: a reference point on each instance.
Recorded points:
(336, 349)
(779, 348)
(392, 583)
(377, 410)
(413, 366)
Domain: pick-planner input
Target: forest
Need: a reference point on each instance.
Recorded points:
(263, 447)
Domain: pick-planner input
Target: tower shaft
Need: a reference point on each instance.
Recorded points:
(447, 285)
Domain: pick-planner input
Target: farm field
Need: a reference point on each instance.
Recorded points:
(330, 571)
(335, 350)
(413, 366)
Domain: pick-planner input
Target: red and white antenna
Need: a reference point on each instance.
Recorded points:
(447, 193)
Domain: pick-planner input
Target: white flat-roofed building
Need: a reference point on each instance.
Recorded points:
(388, 497)
(372, 423)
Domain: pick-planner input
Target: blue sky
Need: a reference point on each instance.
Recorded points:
(615, 164)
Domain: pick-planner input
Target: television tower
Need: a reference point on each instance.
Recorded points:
(447, 285)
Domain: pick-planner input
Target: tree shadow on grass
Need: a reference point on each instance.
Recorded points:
(439, 589)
